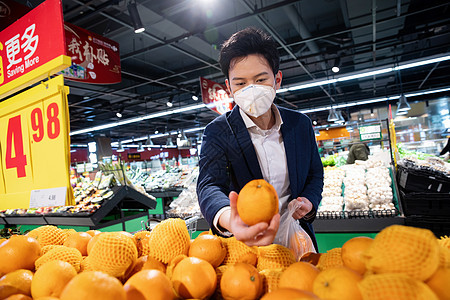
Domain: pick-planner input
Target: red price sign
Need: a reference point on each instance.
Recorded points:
(34, 143)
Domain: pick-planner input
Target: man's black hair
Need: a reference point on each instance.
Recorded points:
(249, 41)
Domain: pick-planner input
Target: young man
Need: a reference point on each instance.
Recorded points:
(257, 140)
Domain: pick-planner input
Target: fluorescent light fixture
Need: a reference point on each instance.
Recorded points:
(149, 142)
(140, 147)
(120, 149)
(369, 72)
(340, 119)
(135, 18)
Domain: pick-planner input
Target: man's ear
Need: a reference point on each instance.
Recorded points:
(278, 79)
(227, 83)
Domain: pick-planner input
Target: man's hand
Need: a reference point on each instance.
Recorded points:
(260, 234)
(304, 209)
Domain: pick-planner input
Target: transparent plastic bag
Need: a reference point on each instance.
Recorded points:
(291, 235)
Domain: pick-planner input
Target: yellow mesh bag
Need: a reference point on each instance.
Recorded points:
(113, 253)
(68, 232)
(142, 244)
(402, 249)
(47, 248)
(271, 279)
(395, 287)
(332, 258)
(237, 251)
(274, 257)
(86, 265)
(48, 235)
(169, 239)
(67, 254)
(444, 241)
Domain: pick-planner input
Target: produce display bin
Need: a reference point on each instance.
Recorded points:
(426, 204)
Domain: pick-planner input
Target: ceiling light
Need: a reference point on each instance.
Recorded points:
(118, 114)
(120, 148)
(134, 14)
(402, 112)
(332, 116)
(340, 119)
(335, 69)
(194, 97)
(314, 122)
(403, 104)
(169, 142)
(156, 131)
(169, 104)
(140, 147)
(149, 142)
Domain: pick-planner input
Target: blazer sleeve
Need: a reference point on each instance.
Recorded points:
(314, 180)
(213, 181)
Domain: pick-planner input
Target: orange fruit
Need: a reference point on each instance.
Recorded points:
(291, 294)
(152, 284)
(257, 202)
(241, 281)
(351, 253)
(16, 282)
(271, 279)
(78, 240)
(194, 278)
(142, 244)
(48, 235)
(18, 297)
(210, 248)
(92, 242)
(153, 264)
(51, 278)
(93, 232)
(337, 283)
(332, 258)
(18, 252)
(274, 257)
(2, 240)
(299, 275)
(169, 239)
(394, 286)
(46, 298)
(113, 253)
(219, 272)
(439, 283)
(237, 251)
(93, 285)
(402, 249)
(137, 266)
(70, 255)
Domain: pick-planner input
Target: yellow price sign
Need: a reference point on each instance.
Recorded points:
(34, 144)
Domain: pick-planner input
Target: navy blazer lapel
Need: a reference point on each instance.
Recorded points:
(292, 151)
(244, 142)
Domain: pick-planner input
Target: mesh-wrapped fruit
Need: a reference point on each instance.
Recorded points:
(67, 254)
(274, 257)
(332, 258)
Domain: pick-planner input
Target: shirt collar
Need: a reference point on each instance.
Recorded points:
(250, 124)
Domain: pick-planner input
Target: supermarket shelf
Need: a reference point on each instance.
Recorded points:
(2, 221)
(356, 224)
(25, 220)
(165, 193)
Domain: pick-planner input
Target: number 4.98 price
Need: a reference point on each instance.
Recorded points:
(14, 135)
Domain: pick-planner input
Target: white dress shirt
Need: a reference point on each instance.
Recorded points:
(269, 148)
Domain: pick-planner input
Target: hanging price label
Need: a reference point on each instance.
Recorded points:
(34, 143)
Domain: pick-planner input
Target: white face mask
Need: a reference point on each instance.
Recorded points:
(255, 99)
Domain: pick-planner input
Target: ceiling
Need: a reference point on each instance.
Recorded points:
(182, 40)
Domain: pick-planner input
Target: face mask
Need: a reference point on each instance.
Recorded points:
(255, 99)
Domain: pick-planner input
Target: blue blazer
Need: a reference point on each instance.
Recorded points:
(228, 161)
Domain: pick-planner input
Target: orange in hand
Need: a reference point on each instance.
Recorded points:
(257, 202)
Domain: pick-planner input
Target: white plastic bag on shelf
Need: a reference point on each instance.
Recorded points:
(291, 234)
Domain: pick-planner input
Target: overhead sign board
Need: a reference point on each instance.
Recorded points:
(32, 48)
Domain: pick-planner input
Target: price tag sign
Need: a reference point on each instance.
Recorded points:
(371, 132)
(34, 143)
(48, 197)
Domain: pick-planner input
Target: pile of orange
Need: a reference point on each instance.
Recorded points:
(399, 263)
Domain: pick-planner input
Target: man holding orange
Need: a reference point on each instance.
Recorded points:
(257, 140)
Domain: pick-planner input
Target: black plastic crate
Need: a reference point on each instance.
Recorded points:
(411, 180)
(439, 226)
(425, 204)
